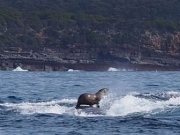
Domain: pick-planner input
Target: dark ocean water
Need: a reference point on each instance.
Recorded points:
(42, 103)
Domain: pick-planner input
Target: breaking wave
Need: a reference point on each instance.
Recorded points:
(143, 104)
(72, 70)
(112, 69)
(19, 69)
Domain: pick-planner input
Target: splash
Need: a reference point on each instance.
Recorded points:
(131, 104)
(19, 69)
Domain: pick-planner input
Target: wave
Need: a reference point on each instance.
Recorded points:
(148, 103)
(19, 69)
(112, 69)
(72, 70)
(55, 106)
(130, 104)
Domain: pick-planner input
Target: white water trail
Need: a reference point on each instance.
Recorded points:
(111, 105)
(54, 107)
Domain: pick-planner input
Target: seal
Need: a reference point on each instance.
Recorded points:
(91, 99)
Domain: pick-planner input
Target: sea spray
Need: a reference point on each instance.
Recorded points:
(131, 104)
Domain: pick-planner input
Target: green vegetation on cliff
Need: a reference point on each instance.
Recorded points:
(86, 23)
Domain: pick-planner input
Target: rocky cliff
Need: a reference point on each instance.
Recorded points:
(54, 59)
(89, 35)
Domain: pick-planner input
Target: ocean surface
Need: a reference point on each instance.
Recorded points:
(43, 103)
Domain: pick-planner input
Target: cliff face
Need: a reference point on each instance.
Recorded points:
(55, 59)
(89, 35)
(165, 42)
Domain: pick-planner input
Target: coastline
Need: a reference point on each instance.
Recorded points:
(49, 59)
(41, 65)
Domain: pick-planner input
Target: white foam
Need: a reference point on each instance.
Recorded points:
(31, 109)
(72, 70)
(173, 101)
(131, 104)
(82, 113)
(19, 69)
(173, 92)
(42, 107)
(113, 69)
(110, 106)
(66, 100)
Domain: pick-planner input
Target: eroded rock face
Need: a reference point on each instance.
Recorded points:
(163, 42)
(50, 59)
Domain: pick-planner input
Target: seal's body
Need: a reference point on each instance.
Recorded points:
(91, 99)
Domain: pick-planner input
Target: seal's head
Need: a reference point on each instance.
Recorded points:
(103, 90)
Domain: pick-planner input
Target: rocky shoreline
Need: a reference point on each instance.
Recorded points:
(92, 60)
(90, 35)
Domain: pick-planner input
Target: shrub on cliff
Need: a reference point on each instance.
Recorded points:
(90, 23)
